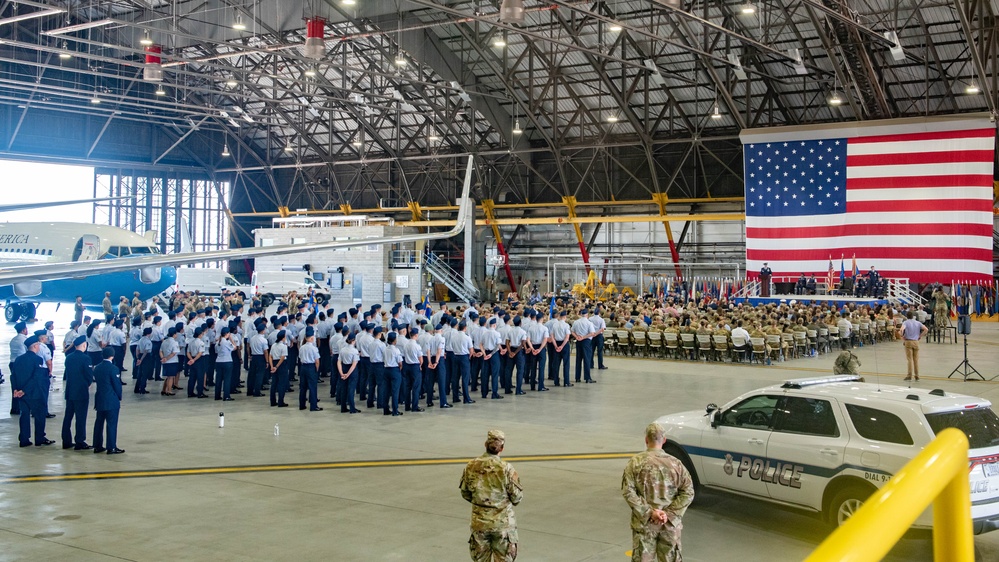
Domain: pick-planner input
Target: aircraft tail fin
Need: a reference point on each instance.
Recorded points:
(186, 245)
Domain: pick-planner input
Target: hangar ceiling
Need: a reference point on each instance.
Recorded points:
(615, 100)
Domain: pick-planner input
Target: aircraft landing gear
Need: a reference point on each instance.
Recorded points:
(12, 312)
(15, 311)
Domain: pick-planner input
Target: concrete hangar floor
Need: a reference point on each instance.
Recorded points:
(339, 487)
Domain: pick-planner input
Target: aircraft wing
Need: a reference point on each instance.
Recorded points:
(48, 272)
(25, 206)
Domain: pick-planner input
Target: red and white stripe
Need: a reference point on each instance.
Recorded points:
(919, 206)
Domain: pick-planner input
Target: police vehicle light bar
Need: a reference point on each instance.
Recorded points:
(802, 383)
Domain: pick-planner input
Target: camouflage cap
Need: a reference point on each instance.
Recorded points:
(495, 436)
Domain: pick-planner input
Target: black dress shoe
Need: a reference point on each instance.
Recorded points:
(396, 413)
(414, 409)
(543, 389)
(301, 407)
(49, 416)
(230, 399)
(116, 451)
(178, 387)
(99, 450)
(355, 411)
(497, 397)
(568, 385)
(468, 402)
(445, 405)
(591, 381)
(83, 447)
(602, 368)
(202, 396)
(282, 405)
(236, 392)
(70, 446)
(28, 444)
(44, 443)
(521, 392)
(218, 397)
(315, 409)
(386, 413)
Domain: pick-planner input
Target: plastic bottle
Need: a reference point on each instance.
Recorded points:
(221, 419)
(277, 430)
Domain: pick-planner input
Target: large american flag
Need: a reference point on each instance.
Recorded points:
(912, 200)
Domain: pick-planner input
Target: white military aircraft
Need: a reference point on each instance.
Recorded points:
(56, 262)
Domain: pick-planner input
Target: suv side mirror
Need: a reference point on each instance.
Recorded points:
(711, 407)
(713, 417)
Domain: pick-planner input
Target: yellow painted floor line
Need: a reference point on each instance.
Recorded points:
(290, 467)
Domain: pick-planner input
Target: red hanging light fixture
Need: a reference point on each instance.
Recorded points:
(315, 41)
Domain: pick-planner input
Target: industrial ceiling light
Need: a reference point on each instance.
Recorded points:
(349, 2)
(499, 42)
(612, 118)
(288, 148)
(356, 143)
(717, 113)
(232, 83)
(146, 39)
(310, 72)
(747, 9)
(160, 91)
(972, 89)
(512, 11)
(516, 127)
(400, 59)
(432, 137)
(65, 56)
(615, 27)
(225, 151)
(95, 100)
(835, 99)
(238, 25)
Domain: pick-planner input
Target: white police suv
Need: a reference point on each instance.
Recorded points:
(824, 445)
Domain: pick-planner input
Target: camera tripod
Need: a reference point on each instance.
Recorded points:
(964, 368)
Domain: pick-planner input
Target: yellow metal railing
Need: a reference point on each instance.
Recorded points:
(938, 475)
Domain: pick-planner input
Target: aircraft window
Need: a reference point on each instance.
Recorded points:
(113, 251)
(50, 252)
(141, 250)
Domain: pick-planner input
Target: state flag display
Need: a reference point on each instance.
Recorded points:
(913, 198)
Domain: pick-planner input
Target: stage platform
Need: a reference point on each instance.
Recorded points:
(810, 299)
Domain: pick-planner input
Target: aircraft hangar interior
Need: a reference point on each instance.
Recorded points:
(722, 274)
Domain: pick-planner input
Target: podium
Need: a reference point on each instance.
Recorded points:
(764, 285)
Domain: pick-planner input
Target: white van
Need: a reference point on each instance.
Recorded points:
(272, 285)
(209, 282)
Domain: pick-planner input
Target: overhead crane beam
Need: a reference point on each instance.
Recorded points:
(345, 209)
(530, 221)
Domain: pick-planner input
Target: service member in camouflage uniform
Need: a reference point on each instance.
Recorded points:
(493, 488)
(658, 489)
(846, 363)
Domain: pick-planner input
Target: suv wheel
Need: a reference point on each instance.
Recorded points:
(845, 504)
(674, 450)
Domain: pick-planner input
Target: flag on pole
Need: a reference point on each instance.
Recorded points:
(829, 279)
(914, 199)
(842, 269)
(856, 270)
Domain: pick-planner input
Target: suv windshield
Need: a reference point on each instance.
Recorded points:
(981, 425)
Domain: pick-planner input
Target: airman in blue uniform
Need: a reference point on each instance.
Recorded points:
(79, 376)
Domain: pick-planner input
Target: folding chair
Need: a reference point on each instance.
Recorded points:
(624, 341)
(689, 349)
(813, 341)
(672, 344)
(641, 343)
(801, 345)
(759, 350)
(721, 346)
(656, 343)
(823, 340)
(704, 350)
(739, 348)
(787, 343)
(773, 342)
